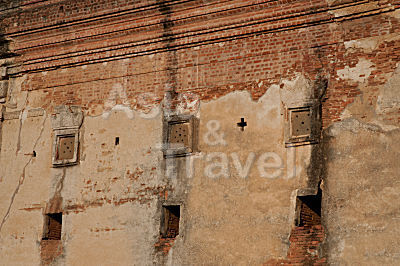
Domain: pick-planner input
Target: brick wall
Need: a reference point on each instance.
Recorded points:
(50, 250)
(74, 52)
(266, 42)
(164, 244)
(308, 217)
(304, 247)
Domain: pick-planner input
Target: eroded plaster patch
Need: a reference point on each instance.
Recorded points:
(359, 73)
(241, 101)
(188, 103)
(264, 117)
(389, 96)
(119, 107)
(366, 44)
(296, 91)
(395, 14)
(270, 107)
(353, 125)
(349, 10)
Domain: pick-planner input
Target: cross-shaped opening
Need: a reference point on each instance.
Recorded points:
(242, 124)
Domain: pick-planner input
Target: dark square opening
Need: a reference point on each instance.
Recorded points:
(53, 226)
(170, 221)
(309, 210)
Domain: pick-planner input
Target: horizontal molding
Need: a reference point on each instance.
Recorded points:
(186, 38)
(111, 28)
(65, 21)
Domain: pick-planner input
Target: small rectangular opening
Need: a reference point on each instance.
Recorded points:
(53, 226)
(309, 210)
(170, 221)
(116, 141)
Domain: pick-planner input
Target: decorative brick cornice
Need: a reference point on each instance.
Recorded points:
(137, 28)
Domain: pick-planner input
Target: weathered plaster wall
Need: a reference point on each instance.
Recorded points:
(110, 194)
(361, 187)
(130, 65)
(234, 203)
(361, 192)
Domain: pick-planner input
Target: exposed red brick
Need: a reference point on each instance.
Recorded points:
(50, 250)
(164, 244)
(304, 244)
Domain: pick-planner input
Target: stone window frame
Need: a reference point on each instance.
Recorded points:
(313, 137)
(58, 134)
(4, 84)
(184, 151)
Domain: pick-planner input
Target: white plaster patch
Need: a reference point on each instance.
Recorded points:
(117, 92)
(84, 66)
(366, 44)
(270, 108)
(151, 110)
(266, 110)
(154, 112)
(188, 103)
(349, 10)
(24, 115)
(104, 63)
(354, 126)
(359, 73)
(389, 96)
(345, 114)
(395, 14)
(383, 126)
(128, 111)
(296, 91)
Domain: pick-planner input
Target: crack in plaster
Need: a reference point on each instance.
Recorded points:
(60, 183)
(22, 178)
(22, 118)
